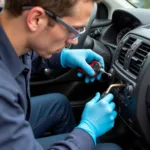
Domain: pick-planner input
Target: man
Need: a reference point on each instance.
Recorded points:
(31, 25)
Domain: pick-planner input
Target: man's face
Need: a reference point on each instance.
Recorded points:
(49, 40)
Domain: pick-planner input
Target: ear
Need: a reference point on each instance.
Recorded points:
(36, 18)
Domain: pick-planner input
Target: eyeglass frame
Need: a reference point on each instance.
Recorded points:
(58, 19)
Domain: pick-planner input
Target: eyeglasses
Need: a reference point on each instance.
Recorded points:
(76, 34)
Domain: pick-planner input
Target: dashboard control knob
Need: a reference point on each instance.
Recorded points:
(129, 90)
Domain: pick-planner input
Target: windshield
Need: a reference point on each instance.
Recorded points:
(140, 3)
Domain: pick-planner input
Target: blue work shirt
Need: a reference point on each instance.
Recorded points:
(15, 130)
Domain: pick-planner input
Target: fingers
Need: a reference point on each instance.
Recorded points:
(88, 79)
(87, 68)
(111, 107)
(79, 74)
(98, 58)
(107, 99)
(110, 118)
(91, 57)
(113, 115)
(88, 58)
(109, 126)
(92, 79)
(95, 99)
(98, 77)
(112, 124)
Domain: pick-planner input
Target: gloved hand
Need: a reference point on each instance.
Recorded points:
(98, 116)
(80, 59)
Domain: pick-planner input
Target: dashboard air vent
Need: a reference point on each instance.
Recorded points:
(138, 58)
(124, 49)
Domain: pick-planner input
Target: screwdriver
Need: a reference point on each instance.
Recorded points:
(97, 67)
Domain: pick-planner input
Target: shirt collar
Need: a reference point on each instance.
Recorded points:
(9, 56)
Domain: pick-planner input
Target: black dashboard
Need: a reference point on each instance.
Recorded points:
(128, 39)
(131, 66)
(123, 21)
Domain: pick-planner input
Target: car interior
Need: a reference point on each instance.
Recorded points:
(122, 36)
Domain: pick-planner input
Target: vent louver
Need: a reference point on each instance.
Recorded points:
(124, 50)
(138, 58)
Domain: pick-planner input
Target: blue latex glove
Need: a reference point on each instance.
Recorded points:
(80, 59)
(98, 116)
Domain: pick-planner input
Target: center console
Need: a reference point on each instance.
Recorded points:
(131, 66)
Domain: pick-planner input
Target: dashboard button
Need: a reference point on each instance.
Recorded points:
(129, 89)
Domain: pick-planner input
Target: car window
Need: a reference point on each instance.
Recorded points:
(140, 3)
(2, 2)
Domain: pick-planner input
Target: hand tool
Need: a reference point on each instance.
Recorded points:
(97, 67)
(113, 86)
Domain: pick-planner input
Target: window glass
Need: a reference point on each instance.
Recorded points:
(2, 2)
(140, 3)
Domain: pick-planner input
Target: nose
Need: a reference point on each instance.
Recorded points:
(72, 42)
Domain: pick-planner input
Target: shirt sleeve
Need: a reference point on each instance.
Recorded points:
(76, 140)
(15, 131)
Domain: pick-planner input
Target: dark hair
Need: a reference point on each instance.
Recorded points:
(60, 8)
